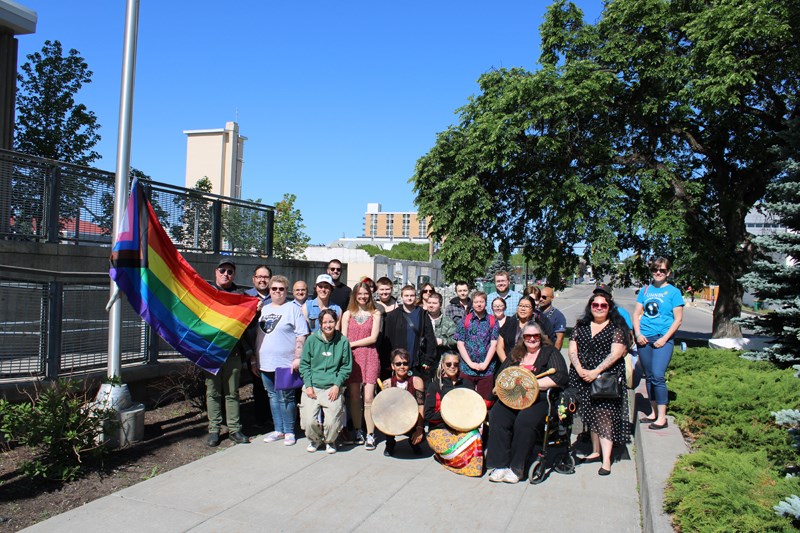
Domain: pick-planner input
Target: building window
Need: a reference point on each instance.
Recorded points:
(390, 225)
(423, 228)
(406, 224)
(373, 225)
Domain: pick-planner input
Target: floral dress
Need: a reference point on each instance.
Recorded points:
(608, 418)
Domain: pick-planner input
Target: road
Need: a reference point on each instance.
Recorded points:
(572, 302)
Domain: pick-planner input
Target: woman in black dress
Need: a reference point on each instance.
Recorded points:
(597, 345)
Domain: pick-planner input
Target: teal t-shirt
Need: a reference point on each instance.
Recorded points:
(658, 303)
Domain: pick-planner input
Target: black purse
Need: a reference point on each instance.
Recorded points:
(607, 386)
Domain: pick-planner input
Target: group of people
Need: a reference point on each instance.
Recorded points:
(363, 338)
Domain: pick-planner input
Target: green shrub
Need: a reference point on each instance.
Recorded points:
(727, 490)
(62, 423)
(735, 477)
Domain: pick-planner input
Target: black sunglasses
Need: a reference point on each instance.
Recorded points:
(228, 271)
(401, 363)
(450, 365)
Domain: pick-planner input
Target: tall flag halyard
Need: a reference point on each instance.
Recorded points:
(201, 322)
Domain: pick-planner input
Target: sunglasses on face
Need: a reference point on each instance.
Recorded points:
(532, 337)
(450, 365)
(599, 306)
(228, 271)
(334, 269)
(426, 291)
(660, 271)
(278, 289)
(401, 363)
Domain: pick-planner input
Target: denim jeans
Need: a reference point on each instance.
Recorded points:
(655, 361)
(282, 403)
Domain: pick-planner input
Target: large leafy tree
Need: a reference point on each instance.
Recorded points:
(50, 122)
(648, 132)
(290, 238)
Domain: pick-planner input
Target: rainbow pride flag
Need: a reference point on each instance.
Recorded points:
(200, 321)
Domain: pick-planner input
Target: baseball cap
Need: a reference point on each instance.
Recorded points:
(224, 261)
(324, 278)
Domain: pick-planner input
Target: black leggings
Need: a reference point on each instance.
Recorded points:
(512, 434)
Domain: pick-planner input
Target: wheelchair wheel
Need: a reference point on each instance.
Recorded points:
(537, 472)
(565, 464)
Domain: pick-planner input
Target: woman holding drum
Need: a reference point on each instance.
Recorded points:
(513, 431)
(414, 385)
(460, 450)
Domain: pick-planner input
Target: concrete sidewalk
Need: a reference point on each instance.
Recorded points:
(272, 487)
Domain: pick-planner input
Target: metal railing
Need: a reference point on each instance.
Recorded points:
(55, 323)
(50, 201)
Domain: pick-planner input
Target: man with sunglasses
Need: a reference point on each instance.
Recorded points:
(226, 382)
(341, 292)
(556, 318)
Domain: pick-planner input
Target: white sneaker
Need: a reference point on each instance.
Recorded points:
(369, 444)
(312, 447)
(510, 477)
(274, 436)
(289, 440)
(498, 475)
(330, 448)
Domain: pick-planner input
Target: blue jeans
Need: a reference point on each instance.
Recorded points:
(655, 361)
(282, 403)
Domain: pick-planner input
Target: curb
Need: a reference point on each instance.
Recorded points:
(657, 451)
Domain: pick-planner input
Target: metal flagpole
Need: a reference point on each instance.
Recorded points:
(120, 199)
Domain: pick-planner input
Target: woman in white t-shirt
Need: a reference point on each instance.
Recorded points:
(282, 330)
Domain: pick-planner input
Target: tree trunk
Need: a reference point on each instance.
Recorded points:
(728, 307)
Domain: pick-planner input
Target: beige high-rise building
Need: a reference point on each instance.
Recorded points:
(399, 225)
(217, 154)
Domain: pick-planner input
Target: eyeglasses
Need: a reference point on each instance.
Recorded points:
(278, 289)
(532, 337)
(599, 305)
(260, 277)
(450, 365)
(524, 306)
(426, 291)
(334, 269)
(660, 271)
(228, 271)
(401, 363)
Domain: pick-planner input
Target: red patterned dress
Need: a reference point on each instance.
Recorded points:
(366, 365)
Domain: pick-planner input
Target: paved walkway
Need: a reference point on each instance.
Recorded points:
(260, 486)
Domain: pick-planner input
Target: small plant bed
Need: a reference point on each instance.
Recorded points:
(175, 434)
(737, 472)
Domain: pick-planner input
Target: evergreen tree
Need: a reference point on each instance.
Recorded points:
(775, 277)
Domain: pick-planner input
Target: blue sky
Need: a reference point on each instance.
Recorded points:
(337, 101)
